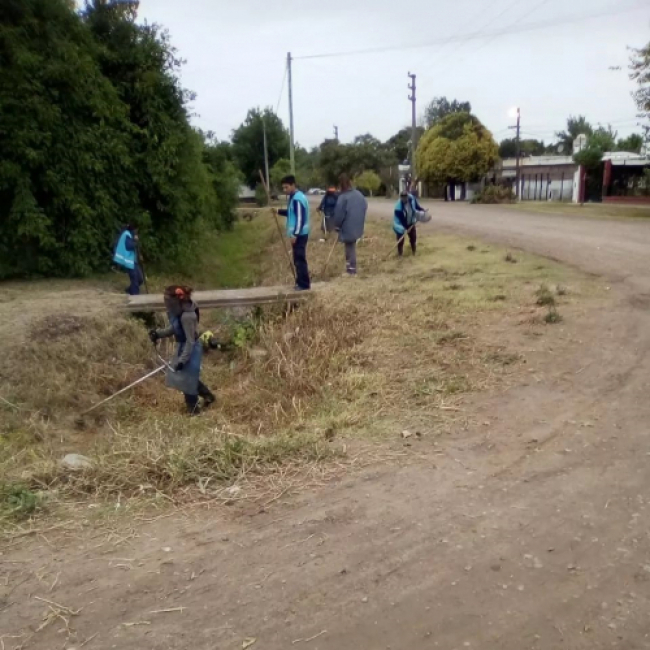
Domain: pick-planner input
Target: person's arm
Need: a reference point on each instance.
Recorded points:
(131, 244)
(188, 321)
(165, 333)
(301, 218)
(283, 212)
(339, 213)
(418, 207)
(321, 207)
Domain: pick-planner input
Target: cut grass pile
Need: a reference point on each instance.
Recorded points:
(398, 347)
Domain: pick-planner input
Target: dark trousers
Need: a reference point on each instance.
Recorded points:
(413, 239)
(193, 400)
(300, 261)
(136, 280)
(351, 258)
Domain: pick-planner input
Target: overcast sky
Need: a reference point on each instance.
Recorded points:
(236, 54)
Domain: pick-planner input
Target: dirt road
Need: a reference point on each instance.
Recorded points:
(526, 528)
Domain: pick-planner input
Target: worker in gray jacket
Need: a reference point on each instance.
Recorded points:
(185, 368)
(350, 220)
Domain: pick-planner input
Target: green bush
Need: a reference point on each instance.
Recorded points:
(494, 194)
(95, 134)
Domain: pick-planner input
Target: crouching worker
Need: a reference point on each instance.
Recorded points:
(183, 315)
(406, 215)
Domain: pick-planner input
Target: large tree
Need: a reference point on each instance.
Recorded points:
(633, 143)
(640, 72)
(575, 126)
(248, 142)
(439, 107)
(365, 153)
(400, 143)
(459, 148)
(508, 148)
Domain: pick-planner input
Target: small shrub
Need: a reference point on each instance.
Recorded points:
(510, 258)
(499, 298)
(243, 333)
(471, 248)
(18, 501)
(494, 194)
(560, 290)
(544, 297)
(451, 337)
(553, 316)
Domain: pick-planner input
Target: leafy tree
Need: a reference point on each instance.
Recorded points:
(640, 72)
(368, 181)
(440, 107)
(225, 179)
(508, 148)
(65, 134)
(365, 153)
(281, 169)
(248, 143)
(633, 143)
(600, 142)
(575, 126)
(95, 133)
(458, 148)
(400, 144)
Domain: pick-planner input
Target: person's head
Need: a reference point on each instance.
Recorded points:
(132, 228)
(289, 184)
(331, 190)
(344, 182)
(176, 296)
(404, 196)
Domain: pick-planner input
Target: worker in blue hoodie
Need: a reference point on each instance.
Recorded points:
(126, 257)
(407, 211)
(297, 214)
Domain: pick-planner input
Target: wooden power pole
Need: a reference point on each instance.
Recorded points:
(414, 134)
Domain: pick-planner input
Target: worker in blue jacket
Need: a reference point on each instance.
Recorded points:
(297, 214)
(404, 219)
(126, 257)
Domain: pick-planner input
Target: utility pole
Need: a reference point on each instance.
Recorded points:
(292, 153)
(517, 152)
(336, 133)
(414, 143)
(266, 156)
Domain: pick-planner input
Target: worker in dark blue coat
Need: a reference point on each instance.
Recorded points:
(327, 208)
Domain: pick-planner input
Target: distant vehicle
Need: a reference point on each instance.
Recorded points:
(316, 191)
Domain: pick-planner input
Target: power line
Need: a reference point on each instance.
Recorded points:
(478, 31)
(516, 22)
(555, 22)
(284, 80)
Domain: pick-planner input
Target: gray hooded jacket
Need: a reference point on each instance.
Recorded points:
(350, 215)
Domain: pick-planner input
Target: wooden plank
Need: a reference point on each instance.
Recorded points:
(224, 298)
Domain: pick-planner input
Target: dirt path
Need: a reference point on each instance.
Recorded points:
(525, 528)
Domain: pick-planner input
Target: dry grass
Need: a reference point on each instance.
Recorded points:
(399, 347)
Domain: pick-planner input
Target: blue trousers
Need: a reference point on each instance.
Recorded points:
(300, 261)
(136, 280)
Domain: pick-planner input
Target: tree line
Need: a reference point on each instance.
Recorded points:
(94, 134)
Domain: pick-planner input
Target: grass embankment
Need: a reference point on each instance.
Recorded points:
(591, 210)
(397, 348)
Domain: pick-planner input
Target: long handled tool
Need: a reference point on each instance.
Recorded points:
(327, 261)
(399, 241)
(127, 388)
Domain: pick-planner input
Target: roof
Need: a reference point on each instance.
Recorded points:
(538, 161)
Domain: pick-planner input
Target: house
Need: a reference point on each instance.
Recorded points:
(542, 178)
(625, 178)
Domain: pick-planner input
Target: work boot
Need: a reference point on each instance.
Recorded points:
(208, 400)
